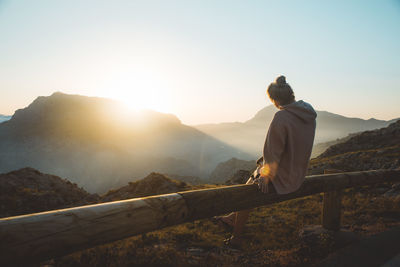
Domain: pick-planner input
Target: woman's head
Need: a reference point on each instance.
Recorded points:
(280, 92)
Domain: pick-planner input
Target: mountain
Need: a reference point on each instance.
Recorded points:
(228, 169)
(240, 177)
(369, 150)
(319, 148)
(98, 145)
(249, 136)
(28, 191)
(193, 180)
(153, 184)
(4, 118)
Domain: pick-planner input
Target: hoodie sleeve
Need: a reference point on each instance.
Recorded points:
(274, 145)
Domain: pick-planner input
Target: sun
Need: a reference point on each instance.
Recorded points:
(139, 91)
(139, 99)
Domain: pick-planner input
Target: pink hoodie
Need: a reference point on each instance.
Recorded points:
(288, 145)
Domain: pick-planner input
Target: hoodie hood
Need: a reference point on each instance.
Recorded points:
(302, 110)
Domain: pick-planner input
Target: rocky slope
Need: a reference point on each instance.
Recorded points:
(28, 191)
(320, 148)
(240, 177)
(193, 180)
(369, 150)
(226, 170)
(153, 184)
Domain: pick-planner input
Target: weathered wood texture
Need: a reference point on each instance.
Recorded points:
(332, 207)
(37, 237)
(45, 235)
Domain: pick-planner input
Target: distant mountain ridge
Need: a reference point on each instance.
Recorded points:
(249, 136)
(4, 118)
(94, 143)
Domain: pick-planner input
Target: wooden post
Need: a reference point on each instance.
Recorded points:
(332, 204)
(36, 237)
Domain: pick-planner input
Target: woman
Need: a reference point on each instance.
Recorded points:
(286, 153)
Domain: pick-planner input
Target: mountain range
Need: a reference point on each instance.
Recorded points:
(27, 190)
(249, 136)
(98, 145)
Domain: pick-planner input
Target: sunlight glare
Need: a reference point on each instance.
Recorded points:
(139, 91)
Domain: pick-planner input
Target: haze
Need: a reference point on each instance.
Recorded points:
(204, 61)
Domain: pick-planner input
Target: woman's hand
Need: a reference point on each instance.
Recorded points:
(266, 174)
(259, 162)
(263, 184)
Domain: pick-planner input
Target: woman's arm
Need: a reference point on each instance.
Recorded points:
(274, 147)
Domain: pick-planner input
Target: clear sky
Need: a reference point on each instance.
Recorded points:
(205, 61)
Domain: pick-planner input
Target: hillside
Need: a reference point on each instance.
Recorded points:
(153, 184)
(369, 150)
(93, 139)
(319, 148)
(249, 136)
(193, 180)
(226, 170)
(28, 191)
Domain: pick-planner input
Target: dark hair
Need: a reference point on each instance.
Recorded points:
(280, 91)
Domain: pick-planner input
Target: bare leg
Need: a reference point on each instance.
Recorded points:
(237, 217)
(240, 222)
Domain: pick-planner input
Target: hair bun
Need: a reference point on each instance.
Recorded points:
(281, 80)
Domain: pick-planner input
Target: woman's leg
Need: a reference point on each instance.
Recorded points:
(232, 217)
(240, 221)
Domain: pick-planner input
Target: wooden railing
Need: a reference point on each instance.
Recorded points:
(36, 237)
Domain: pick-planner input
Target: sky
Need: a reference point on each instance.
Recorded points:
(204, 61)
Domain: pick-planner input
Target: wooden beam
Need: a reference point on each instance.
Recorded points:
(331, 210)
(37, 237)
(332, 207)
